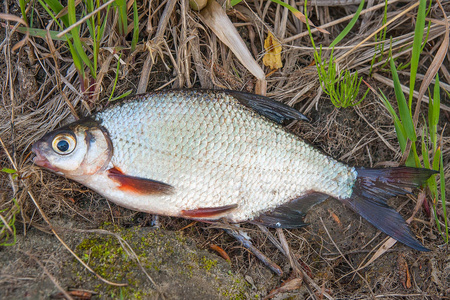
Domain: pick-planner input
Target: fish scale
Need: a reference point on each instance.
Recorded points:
(200, 148)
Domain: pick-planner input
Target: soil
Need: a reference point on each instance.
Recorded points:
(177, 256)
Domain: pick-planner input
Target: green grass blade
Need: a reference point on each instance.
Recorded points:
(8, 171)
(6, 235)
(116, 78)
(122, 96)
(444, 204)
(436, 158)
(50, 13)
(76, 59)
(405, 113)
(310, 34)
(399, 129)
(135, 27)
(291, 9)
(431, 182)
(57, 7)
(123, 20)
(349, 26)
(416, 162)
(95, 45)
(42, 33)
(77, 45)
(417, 45)
(23, 8)
(433, 112)
(102, 28)
(424, 144)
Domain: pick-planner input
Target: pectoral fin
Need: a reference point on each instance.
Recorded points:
(290, 214)
(207, 212)
(138, 185)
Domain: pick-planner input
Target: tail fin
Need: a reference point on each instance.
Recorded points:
(370, 192)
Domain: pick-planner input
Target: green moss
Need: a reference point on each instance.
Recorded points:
(163, 255)
(207, 264)
(238, 290)
(106, 257)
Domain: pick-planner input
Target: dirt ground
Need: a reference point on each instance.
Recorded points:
(177, 259)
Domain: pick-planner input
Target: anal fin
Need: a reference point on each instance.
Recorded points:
(290, 214)
(207, 212)
(138, 185)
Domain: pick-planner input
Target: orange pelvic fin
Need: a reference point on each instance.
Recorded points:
(207, 212)
(138, 185)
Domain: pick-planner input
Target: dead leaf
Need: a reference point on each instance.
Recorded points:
(75, 294)
(220, 251)
(217, 20)
(403, 271)
(287, 286)
(385, 247)
(335, 218)
(13, 18)
(272, 58)
(420, 201)
(197, 5)
(299, 15)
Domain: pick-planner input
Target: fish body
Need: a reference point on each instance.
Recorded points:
(212, 155)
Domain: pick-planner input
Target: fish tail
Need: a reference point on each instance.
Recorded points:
(373, 187)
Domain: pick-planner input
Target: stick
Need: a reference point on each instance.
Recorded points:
(247, 244)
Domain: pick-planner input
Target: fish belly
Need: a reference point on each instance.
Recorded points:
(214, 152)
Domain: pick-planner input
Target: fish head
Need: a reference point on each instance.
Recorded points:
(76, 150)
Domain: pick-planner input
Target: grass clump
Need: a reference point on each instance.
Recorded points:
(341, 86)
(406, 123)
(85, 36)
(8, 216)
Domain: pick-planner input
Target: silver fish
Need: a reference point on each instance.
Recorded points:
(208, 155)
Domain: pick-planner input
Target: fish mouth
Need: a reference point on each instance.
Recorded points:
(40, 160)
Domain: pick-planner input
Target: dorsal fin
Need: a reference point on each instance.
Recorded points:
(290, 215)
(274, 110)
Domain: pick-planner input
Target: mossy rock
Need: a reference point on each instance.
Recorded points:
(175, 264)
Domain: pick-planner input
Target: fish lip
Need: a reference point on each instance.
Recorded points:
(40, 160)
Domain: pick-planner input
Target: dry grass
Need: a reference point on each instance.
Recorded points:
(41, 90)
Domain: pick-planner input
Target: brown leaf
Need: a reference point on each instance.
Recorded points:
(75, 294)
(13, 18)
(403, 271)
(220, 251)
(335, 218)
(385, 247)
(420, 201)
(287, 286)
(302, 18)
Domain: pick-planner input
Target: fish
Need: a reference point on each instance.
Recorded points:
(213, 155)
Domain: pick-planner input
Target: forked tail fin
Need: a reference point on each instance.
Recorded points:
(370, 192)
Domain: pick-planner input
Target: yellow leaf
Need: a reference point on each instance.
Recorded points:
(272, 58)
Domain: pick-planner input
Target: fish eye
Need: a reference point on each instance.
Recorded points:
(64, 143)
